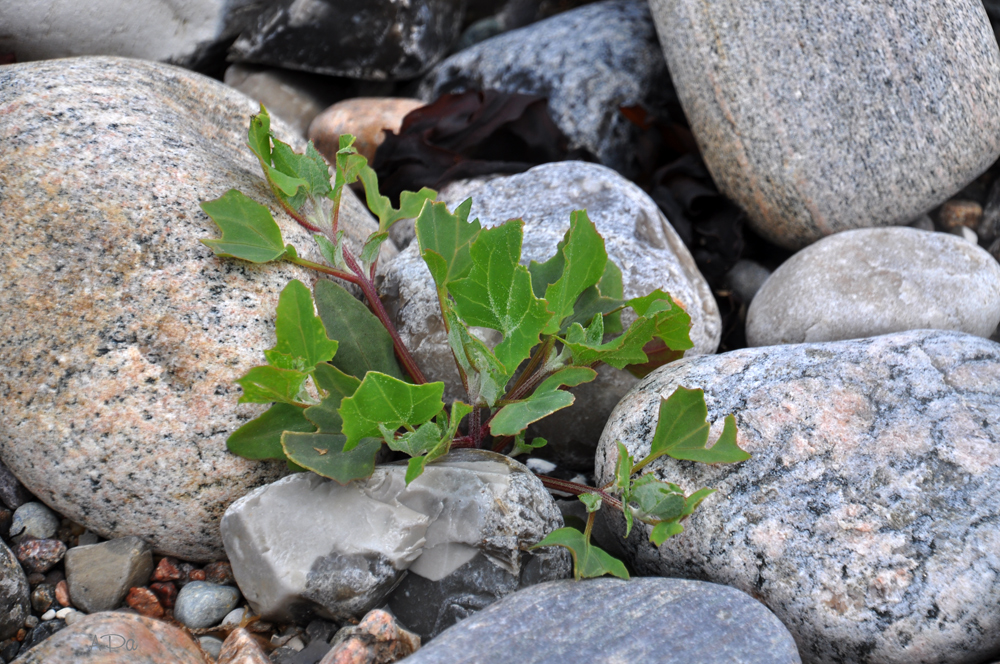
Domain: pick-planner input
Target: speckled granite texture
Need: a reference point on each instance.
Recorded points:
(661, 621)
(818, 117)
(638, 238)
(588, 61)
(120, 333)
(120, 638)
(873, 281)
(867, 517)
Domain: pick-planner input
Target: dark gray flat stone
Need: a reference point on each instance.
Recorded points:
(648, 620)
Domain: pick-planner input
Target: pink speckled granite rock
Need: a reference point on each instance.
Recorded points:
(867, 517)
(120, 333)
(819, 117)
(117, 638)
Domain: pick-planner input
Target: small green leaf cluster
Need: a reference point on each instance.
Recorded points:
(343, 386)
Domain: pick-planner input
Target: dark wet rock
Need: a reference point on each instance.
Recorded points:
(34, 520)
(588, 61)
(100, 575)
(820, 118)
(43, 596)
(14, 598)
(12, 492)
(669, 621)
(376, 40)
(865, 518)
(39, 555)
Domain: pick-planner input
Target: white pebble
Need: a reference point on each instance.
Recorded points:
(63, 612)
(295, 643)
(49, 615)
(235, 616)
(74, 617)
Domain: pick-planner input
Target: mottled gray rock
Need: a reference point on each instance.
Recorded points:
(100, 575)
(866, 518)
(746, 279)
(639, 240)
(152, 641)
(34, 520)
(588, 61)
(14, 599)
(668, 621)
(873, 281)
(12, 493)
(822, 117)
(309, 546)
(375, 40)
(200, 604)
(187, 32)
(117, 369)
(210, 644)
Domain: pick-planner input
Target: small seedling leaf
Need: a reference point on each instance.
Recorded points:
(248, 230)
(588, 560)
(591, 500)
(268, 384)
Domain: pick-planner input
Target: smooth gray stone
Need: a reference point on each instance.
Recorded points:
(819, 117)
(588, 61)
(34, 520)
(873, 281)
(100, 575)
(15, 603)
(746, 279)
(12, 492)
(200, 604)
(661, 621)
(185, 33)
(866, 517)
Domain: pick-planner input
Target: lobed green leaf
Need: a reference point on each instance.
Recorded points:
(588, 560)
(325, 455)
(300, 332)
(260, 438)
(583, 258)
(545, 400)
(444, 239)
(248, 230)
(382, 400)
(682, 431)
(268, 384)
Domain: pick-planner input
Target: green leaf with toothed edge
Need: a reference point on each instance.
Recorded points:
(444, 239)
(337, 386)
(324, 454)
(310, 168)
(588, 560)
(682, 431)
(260, 438)
(382, 400)
(410, 202)
(545, 400)
(603, 298)
(673, 324)
(485, 376)
(414, 443)
(248, 230)
(300, 332)
(583, 258)
(416, 465)
(586, 346)
(269, 384)
(497, 293)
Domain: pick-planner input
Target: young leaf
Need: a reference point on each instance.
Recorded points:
(497, 293)
(333, 253)
(584, 259)
(260, 438)
(365, 345)
(657, 500)
(522, 447)
(588, 560)
(324, 454)
(603, 298)
(445, 239)
(663, 530)
(409, 202)
(338, 386)
(591, 500)
(309, 168)
(267, 384)
(546, 399)
(248, 229)
(299, 330)
(485, 375)
(682, 431)
(387, 401)
(695, 499)
(416, 465)
(623, 471)
(672, 322)
(626, 349)
(414, 443)
(372, 245)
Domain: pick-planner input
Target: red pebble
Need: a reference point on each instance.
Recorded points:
(145, 602)
(167, 592)
(197, 575)
(220, 572)
(167, 571)
(62, 593)
(39, 555)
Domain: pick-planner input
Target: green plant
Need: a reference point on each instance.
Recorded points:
(338, 393)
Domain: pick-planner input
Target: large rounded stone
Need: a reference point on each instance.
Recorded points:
(14, 601)
(866, 517)
(122, 333)
(588, 62)
(667, 621)
(873, 281)
(819, 117)
(639, 240)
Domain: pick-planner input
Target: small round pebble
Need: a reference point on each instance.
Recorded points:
(49, 615)
(74, 616)
(211, 645)
(63, 612)
(31, 622)
(43, 597)
(235, 616)
(34, 520)
(201, 604)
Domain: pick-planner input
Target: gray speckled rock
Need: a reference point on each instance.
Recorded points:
(822, 117)
(152, 642)
(588, 62)
(309, 546)
(122, 333)
(866, 518)
(638, 237)
(34, 520)
(200, 604)
(667, 621)
(12, 493)
(99, 575)
(185, 32)
(15, 604)
(873, 281)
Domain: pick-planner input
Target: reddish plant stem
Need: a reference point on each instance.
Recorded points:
(340, 274)
(501, 443)
(576, 489)
(475, 431)
(294, 214)
(368, 288)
